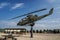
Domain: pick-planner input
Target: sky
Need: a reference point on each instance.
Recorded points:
(13, 8)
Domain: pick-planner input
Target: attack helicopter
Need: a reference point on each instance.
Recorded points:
(30, 19)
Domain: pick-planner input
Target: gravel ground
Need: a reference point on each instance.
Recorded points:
(37, 36)
(40, 37)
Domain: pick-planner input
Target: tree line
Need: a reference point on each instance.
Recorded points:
(45, 31)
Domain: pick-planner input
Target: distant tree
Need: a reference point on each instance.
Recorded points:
(1, 30)
(33, 31)
(50, 31)
(37, 31)
(47, 31)
(40, 31)
(44, 31)
(27, 31)
(56, 31)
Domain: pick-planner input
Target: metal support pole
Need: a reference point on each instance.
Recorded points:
(31, 31)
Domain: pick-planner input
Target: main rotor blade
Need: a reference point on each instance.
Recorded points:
(29, 13)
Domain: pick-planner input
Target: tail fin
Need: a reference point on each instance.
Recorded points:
(43, 16)
(51, 11)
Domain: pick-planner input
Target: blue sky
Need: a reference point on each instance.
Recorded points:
(13, 8)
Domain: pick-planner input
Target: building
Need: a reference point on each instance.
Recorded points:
(15, 30)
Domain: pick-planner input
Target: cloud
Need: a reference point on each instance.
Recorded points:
(4, 24)
(17, 5)
(14, 5)
(48, 24)
(3, 5)
(51, 1)
(57, 7)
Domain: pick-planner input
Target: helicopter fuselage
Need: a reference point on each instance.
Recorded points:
(28, 20)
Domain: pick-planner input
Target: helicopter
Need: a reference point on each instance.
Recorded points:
(30, 19)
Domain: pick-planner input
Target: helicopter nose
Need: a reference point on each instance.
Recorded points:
(19, 24)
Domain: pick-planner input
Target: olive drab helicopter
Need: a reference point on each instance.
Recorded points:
(30, 19)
